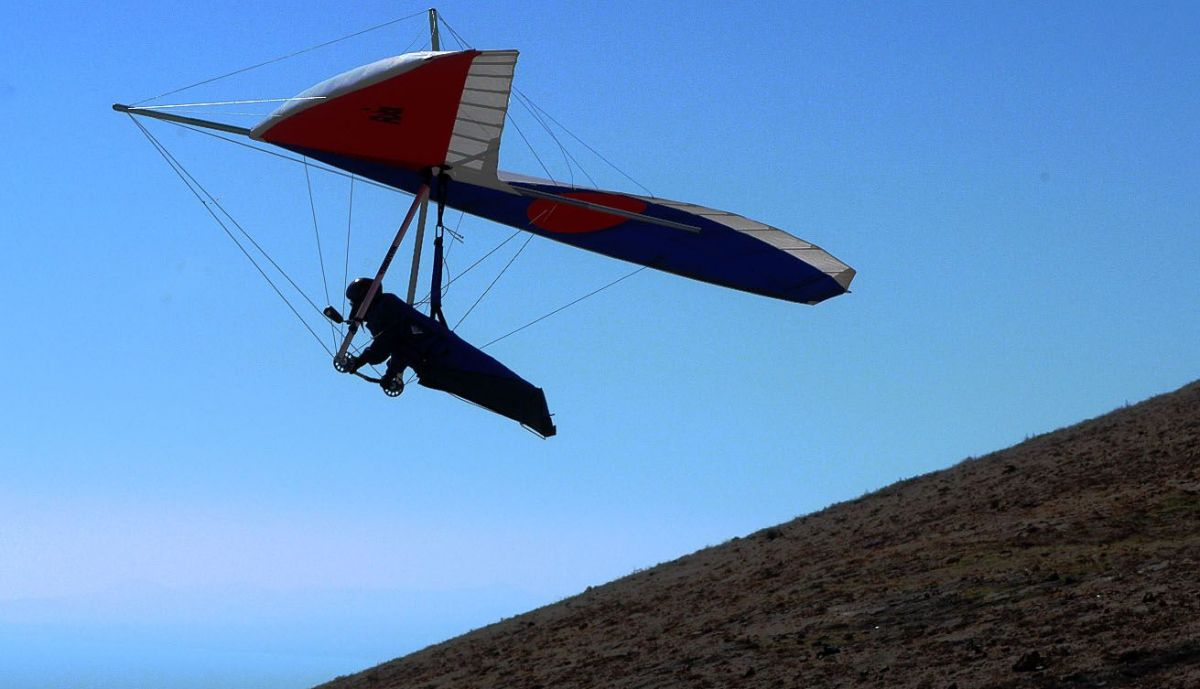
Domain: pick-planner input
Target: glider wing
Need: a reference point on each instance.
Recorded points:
(394, 119)
(415, 111)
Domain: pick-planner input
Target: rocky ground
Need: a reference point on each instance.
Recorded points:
(1070, 560)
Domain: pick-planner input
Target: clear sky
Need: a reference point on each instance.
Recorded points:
(190, 496)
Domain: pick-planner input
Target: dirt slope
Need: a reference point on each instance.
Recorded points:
(1070, 560)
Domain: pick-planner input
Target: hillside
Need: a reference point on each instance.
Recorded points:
(1070, 560)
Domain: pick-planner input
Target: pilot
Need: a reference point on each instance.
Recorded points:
(400, 335)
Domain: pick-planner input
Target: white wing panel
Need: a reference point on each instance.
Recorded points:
(809, 253)
(475, 141)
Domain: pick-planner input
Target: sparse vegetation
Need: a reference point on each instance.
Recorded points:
(1071, 560)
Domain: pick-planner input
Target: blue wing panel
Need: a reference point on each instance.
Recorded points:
(718, 253)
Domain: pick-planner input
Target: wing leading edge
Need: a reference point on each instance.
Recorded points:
(390, 120)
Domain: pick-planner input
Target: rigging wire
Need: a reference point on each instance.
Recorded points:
(312, 204)
(454, 235)
(476, 263)
(240, 228)
(253, 241)
(259, 247)
(531, 148)
(585, 144)
(421, 36)
(530, 105)
(229, 102)
(494, 281)
(352, 177)
(537, 112)
(322, 168)
(564, 307)
(226, 113)
(522, 99)
(457, 237)
(185, 176)
(567, 157)
(461, 43)
(282, 58)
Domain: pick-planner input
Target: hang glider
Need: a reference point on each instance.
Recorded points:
(430, 123)
(393, 120)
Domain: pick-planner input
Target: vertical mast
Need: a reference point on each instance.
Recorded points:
(433, 29)
(435, 44)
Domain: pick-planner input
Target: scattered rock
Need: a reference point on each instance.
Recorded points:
(1030, 662)
(828, 650)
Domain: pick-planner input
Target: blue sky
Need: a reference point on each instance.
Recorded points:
(190, 496)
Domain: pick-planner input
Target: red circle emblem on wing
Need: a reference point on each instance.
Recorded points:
(563, 218)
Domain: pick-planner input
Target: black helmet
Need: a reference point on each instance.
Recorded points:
(357, 291)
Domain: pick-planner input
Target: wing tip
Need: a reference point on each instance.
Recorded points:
(844, 277)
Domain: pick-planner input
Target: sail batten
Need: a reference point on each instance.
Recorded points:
(479, 123)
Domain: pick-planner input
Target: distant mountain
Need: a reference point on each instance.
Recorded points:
(1070, 560)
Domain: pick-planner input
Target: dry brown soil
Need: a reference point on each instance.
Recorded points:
(1070, 560)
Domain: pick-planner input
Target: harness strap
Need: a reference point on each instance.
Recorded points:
(435, 289)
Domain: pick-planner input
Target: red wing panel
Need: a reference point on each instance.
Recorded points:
(404, 120)
(562, 218)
